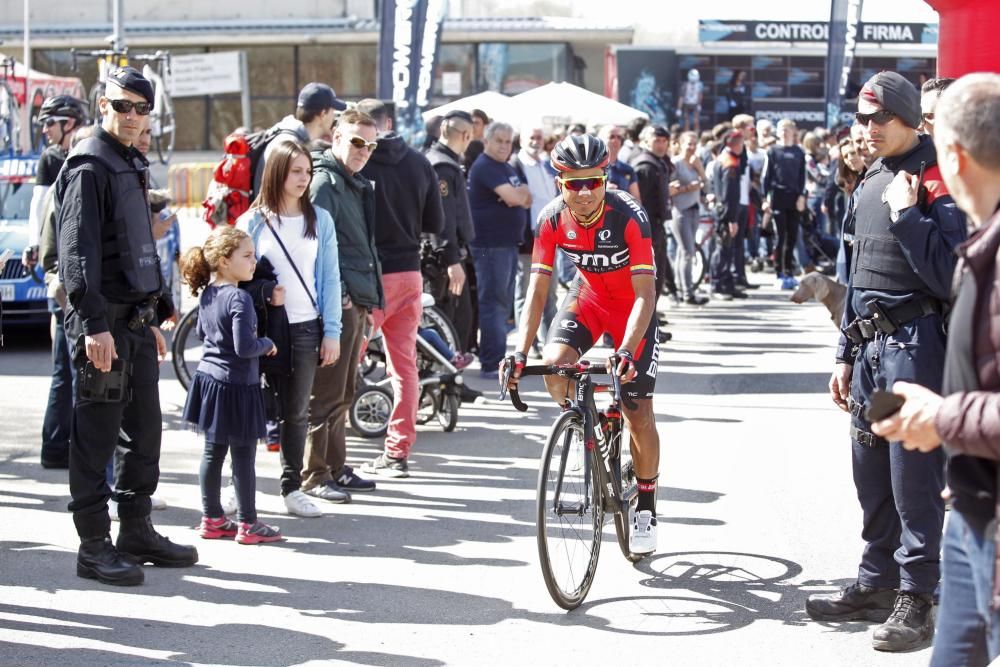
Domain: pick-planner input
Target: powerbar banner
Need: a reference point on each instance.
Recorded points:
(409, 38)
(844, 21)
(813, 31)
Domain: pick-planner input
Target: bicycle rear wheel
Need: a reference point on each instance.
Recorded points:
(699, 267)
(185, 349)
(570, 513)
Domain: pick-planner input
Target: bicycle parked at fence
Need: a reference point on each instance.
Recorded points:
(156, 68)
(586, 472)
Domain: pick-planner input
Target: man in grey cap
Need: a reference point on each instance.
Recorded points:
(906, 230)
(109, 266)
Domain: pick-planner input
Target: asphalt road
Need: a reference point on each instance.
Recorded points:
(757, 510)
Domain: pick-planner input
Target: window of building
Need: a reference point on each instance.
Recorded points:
(515, 68)
(348, 68)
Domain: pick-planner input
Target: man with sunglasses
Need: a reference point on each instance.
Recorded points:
(110, 269)
(906, 230)
(60, 117)
(606, 233)
(930, 92)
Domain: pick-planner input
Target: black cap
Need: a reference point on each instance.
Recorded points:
(894, 93)
(660, 131)
(132, 80)
(459, 114)
(374, 108)
(319, 97)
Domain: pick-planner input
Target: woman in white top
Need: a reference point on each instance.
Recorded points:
(300, 242)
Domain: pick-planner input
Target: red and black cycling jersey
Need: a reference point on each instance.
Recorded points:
(608, 252)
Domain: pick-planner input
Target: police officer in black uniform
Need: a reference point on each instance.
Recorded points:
(445, 156)
(906, 230)
(109, 266)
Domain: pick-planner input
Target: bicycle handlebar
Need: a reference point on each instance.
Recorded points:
(568, 371)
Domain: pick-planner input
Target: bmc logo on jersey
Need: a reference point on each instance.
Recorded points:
(599, 262)
(640, 212)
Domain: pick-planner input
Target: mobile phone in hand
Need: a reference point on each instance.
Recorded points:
(883, 404)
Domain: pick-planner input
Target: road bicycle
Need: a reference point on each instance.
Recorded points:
(699, 260)
(156, 68)
(586, 472)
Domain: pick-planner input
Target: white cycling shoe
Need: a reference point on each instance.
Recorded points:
(642, 537)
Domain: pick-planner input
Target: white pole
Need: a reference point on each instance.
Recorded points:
(25, 139)
(245, 92)
(117, 36)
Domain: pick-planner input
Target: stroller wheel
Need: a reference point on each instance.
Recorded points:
(448, 411)
(370, 411)
(426, 408)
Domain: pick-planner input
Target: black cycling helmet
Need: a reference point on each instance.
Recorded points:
(65, 106)
(584, 151)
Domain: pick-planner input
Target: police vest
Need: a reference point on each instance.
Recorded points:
(878, 260)
(127, 244)
(454, 187)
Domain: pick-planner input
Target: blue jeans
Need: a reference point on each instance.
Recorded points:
(968, 631)
(294, 392)
(496, 269)
(59, 411)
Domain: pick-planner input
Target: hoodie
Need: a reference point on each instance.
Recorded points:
(407, 202)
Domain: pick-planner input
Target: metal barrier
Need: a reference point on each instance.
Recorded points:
(189, 182)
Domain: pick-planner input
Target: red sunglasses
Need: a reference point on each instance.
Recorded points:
(590, 183)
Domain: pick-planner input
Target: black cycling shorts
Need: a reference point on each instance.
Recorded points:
(582, 321)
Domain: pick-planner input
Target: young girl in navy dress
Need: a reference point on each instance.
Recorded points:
(225, 399)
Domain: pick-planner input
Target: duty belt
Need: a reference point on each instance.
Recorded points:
(867, 438)
(137, 315)
(855, 408)
(888, 320)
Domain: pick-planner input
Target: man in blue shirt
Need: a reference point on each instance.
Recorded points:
(497, 199)
(621, 176)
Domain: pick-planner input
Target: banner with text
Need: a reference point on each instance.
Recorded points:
(409, 38)
(813, 31)
(844, 21)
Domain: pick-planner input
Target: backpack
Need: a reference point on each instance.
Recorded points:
(236, 179)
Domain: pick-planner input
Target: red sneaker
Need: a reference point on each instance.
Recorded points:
(274, 446)
(213, 529)
(258, 533)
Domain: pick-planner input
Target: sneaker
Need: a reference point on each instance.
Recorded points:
(259, 532)
(779, 280)
(113, 509)
(228, 499)
(695, 300)
(461, 360)
(387, 466)
(157, 503)
(274, 446)
(722, 296)
(852, 603)
(213, 529)
(330, 492)
(642, 538)
(348, 480)
(663, 336)
(298, 504)
(910, 625)
(739, 294)
(789, 283)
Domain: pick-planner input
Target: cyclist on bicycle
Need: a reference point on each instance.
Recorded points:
(606, 234)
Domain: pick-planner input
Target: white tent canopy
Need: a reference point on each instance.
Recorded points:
(496, 105)
(560, 103)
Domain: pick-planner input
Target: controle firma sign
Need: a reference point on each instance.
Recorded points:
(813, 31)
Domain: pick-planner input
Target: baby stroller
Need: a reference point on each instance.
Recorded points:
(440, 381)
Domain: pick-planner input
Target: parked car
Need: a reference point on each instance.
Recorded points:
(21, 291)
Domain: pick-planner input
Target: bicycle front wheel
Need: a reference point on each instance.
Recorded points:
(185, 349)
(699, 267)
(570, 513)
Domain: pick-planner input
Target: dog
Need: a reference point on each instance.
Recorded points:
(824, 289)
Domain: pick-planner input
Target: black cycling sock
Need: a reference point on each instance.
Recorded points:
(647, 494)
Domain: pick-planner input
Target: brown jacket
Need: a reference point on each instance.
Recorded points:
(970, 421)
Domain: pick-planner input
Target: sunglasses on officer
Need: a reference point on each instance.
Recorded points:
(590, 183)
(360, 142)
(881, 117)
(126, 106)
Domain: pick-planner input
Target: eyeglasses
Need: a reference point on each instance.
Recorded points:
(880, 117)
(590, 183)
(359, 143)
(49, 122)
(126, 106)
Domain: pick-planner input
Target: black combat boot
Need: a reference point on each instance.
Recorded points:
(138, 540)
(854, 603)
(98, 559)
(910, 626)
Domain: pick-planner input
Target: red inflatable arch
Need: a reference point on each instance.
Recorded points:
(968, 36)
